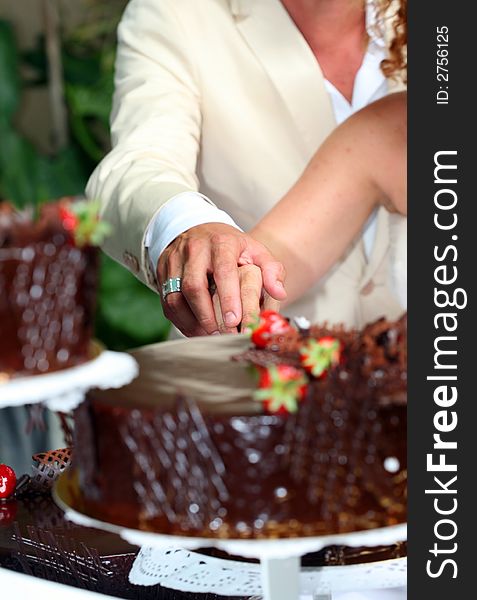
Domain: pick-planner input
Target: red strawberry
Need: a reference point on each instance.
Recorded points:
(68, 218)
(81, 219)
(317, 356)
(269, 323)
(281, 388)
(8, 481)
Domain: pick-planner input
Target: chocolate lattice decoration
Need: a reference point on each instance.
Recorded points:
(60, 558)
(50, 466)
(168, 451)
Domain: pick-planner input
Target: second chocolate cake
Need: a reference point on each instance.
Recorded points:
(48, 277)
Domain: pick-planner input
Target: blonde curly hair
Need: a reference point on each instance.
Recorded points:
(396, 63)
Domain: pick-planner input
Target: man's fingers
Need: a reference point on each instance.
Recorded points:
(177, 310)
(219, 318)
(225, 254)
(175, 305)
(218, 250)
(195, 286)
(162, 270)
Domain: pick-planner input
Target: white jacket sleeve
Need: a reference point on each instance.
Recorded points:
(155, 128)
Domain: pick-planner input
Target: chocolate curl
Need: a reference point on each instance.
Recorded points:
(50, 466)
(66, 422)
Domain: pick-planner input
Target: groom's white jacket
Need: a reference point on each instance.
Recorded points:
(224, 97)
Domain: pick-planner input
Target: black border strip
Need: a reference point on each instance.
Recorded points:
(448, 128)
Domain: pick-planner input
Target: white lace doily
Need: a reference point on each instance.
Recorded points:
(64, 390)
(188, 571)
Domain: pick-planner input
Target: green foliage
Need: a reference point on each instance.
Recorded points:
(88, 105)
(9, 80)
(88, 59)
(17, 157)
(26, 176)
(129, 314)
(29, 178)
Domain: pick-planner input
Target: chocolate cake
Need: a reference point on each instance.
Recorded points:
(36, 539)
(187, 448)
(47, 290)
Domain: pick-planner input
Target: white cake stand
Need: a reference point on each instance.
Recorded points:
(167, 559)
(65, 390)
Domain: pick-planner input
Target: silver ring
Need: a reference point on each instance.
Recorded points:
(173, 284)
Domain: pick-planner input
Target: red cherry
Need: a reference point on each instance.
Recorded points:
(8, 481)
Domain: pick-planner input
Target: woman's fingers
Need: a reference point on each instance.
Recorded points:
(252, 296)
(269, 303)
(273, 272)
(250, 293)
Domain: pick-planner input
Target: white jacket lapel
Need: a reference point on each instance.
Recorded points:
(289, 62)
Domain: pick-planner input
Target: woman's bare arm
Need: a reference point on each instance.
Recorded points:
(362, 164)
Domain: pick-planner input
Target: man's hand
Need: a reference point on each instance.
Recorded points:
(214, 250)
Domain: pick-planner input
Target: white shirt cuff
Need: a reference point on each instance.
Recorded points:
(179, 214)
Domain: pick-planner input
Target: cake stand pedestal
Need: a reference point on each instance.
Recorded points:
(64, 390)
(280, 578)
(170, 561)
